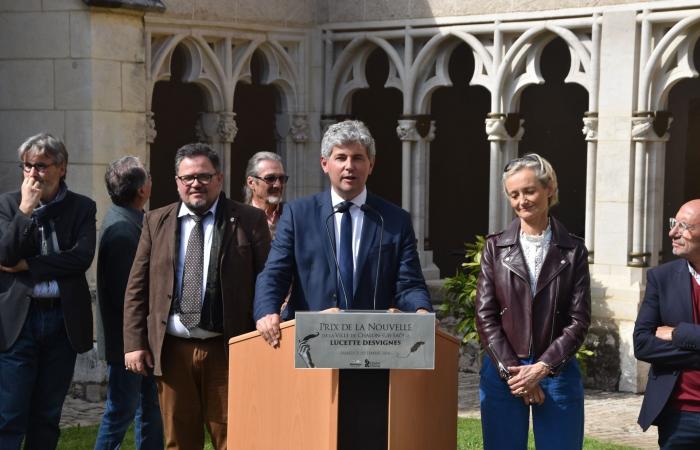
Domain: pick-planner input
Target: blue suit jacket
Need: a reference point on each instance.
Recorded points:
(667, 301)
(302, 256)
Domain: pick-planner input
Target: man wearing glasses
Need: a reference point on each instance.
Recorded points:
(190, 289)
(47, 242)
(667, 335)
(264, 186)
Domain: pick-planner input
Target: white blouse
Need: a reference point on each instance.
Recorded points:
(535, 250)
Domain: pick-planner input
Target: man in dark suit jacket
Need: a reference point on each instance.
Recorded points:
(304, 249)
(190, 289)
(667, 335)
(47, 242)
(129, 186)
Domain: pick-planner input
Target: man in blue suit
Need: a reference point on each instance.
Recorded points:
(343, 248)
(667, 335)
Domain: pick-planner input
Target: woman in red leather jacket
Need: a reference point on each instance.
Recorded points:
(533, 309)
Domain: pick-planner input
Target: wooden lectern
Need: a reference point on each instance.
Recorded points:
(273, 406)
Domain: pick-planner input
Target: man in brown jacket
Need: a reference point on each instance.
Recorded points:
(190, 289)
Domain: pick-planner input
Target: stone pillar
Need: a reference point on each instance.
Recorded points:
(616, 288)
(416, 133)
(219, 130)
(151, 132)
(504, 133)
(590, 130)
(650, 134)
(299, 134)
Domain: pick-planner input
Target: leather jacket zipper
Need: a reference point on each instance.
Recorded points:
(502, 371)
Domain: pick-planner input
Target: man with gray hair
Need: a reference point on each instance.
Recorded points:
(327, 245)
(129, 395)
(47, 242)
(264, 186)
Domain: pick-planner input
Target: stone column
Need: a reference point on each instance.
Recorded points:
(616, 288)
(504, 133)
(650, 134)
(590, 130)
(299, 134)
(151, 131)
(416, 133)
(219, 130)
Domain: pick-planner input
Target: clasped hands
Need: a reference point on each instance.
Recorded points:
(524, 382)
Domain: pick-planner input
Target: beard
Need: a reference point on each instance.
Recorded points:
(274, 199)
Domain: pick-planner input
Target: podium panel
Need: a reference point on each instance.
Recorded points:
(272, 405)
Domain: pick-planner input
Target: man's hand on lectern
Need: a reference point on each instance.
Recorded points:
(269, 328)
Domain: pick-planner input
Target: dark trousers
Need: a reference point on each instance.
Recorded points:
(557, 424)
(130, 398)
(35, 374)
(193, 392)
(679, 430)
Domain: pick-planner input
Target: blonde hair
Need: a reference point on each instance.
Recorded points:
(544, 172)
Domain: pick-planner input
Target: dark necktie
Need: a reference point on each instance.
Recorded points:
(192, 275)
(345, 257)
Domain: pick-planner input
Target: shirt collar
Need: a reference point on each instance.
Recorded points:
(357, 201)
(185, 211)
(694, 273)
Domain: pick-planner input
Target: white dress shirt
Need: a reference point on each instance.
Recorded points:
(175, 326)
(358, 217)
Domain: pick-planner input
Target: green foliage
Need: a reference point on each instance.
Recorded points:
(460, 292)
(460, 295)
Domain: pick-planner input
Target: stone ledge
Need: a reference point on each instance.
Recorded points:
(142, 5)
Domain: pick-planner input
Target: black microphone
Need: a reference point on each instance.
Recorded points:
(341, 208)
(367, 208)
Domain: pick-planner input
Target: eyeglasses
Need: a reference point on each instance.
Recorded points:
(513, 162)
(672, 222)
(40, 167)
(203, 178)
(270, 179)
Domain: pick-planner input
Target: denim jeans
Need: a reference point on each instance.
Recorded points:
(679, 429)
(35, 374)
(130, 397)
(557, 423)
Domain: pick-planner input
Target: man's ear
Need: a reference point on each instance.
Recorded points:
(324, 164)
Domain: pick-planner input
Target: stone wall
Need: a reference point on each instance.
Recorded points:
(372, 10)
(78, 73)
(297, 13)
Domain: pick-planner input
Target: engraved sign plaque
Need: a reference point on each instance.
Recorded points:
(364, 340)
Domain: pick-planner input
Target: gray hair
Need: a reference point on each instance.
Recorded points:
(197, 149)
(251, 170)
(123, 178)
(544, 172)
(346, 133)
(44, 144)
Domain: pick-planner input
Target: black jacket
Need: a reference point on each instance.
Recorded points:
(121, 229)
(74, 221)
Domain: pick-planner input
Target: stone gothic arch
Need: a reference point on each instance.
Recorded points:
(347, 74)
(661, 67)
(216, 60)
(429, 71)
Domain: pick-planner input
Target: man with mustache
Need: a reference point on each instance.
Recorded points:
(47, 242)
(667, 335)
(264, 186)
(191, 289)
